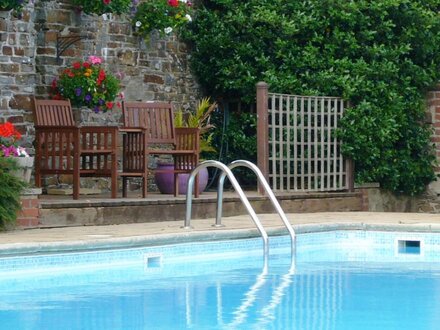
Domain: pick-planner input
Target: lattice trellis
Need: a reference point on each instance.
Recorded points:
(304, 152)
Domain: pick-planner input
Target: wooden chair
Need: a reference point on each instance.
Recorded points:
(61, 147)
(149, 130)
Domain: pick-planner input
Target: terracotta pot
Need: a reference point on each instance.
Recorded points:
(165, 181)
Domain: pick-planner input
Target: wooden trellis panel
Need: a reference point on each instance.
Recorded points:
(303, 152)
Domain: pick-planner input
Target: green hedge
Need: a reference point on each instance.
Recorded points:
(382, 55)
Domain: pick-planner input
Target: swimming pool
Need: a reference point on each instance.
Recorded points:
(340, 280)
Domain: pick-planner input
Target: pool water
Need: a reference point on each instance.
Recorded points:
(338, 280)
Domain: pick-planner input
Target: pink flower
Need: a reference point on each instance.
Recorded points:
(106, 2)
(95, 59)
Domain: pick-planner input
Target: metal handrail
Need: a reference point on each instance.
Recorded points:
(263, 181)
(227, 172)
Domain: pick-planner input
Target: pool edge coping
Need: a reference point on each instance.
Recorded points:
(23, 249)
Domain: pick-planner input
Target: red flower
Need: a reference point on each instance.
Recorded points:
(8, 130)
(106, 2)
(76, 65)
(86, 65)
(173, 3)
(109, 105)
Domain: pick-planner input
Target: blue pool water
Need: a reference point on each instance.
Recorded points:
(339, 280)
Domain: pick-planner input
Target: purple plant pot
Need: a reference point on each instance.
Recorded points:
(165, 181)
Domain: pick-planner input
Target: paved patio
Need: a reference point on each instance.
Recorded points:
(157, 233)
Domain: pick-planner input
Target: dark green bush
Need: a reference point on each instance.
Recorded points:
(10, 189)
(381, 55)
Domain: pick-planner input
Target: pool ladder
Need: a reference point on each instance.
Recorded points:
(227, 173)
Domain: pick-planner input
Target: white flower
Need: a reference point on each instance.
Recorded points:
(168, 30)
(188, 17)
(138, 23)
(21, 152)
(184, 1)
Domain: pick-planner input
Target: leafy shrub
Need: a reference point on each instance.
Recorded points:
(381, 55)
(235, 138)
(10, 189)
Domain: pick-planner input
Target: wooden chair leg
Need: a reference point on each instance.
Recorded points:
(76, 186)
(144, 185)
(176, 184)
(124, 186)
(114, 178)
(196, 188)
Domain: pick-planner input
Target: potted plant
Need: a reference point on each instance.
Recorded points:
(87, 84)
(200, 118)
(9, 148)
(165, 16)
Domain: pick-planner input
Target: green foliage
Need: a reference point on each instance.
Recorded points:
(16, 5)
(200, 118)
(162, 15)
(10, 189)
(381, 55)
(238, 140)
(100, 7)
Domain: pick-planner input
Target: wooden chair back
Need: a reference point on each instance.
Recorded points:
(149, 130)
(61, 147)
(156, 117)
(53, 113)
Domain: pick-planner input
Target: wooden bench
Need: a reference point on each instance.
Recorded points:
(61, 147)
(149, 130)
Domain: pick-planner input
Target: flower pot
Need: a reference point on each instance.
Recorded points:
(26, 165)
(165, 181)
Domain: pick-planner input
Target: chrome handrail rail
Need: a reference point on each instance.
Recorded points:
(227, 173)
(268, 190)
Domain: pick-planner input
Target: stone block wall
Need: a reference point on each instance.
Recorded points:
(31, 58)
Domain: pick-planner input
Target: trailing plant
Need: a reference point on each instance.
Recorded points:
(100, 7)
(87, 84)
(16, 5)
(10, 189)
(382, 56)
(166, 16)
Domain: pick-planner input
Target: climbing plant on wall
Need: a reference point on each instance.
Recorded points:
(381, 55)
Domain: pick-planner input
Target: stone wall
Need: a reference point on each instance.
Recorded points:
(29, 59)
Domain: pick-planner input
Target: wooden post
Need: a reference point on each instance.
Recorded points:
(262, 131)
(349, 173)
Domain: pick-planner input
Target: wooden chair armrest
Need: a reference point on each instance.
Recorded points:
(99, 129)
(132, 129)
(49, 129)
